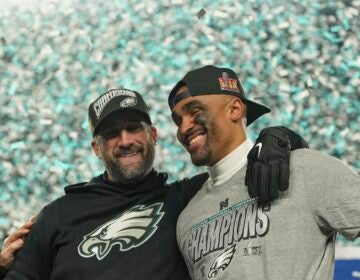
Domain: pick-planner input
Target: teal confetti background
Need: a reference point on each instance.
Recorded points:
(299, 58)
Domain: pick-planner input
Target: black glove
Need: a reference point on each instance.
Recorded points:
(268, 166)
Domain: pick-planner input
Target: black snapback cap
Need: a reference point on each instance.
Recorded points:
(212, 80)
(116, 100)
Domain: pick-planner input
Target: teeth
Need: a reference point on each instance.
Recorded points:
(129, 155)
(197, 138)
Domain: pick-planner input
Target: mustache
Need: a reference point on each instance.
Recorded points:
(128, 150)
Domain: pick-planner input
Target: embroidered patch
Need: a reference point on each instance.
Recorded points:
(100, 104)
(227, 83)
(128, 102)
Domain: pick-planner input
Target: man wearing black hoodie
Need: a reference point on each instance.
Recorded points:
(121, 224)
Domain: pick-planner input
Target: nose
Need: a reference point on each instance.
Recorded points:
(125, 138)
(187, 124)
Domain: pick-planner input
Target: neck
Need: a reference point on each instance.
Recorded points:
(125, 181)
(230, 164)
(238, 137)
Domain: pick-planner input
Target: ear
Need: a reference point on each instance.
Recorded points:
(95, 148)
(236, 109)
(153, 134)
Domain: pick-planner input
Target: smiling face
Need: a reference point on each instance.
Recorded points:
(207, 127)
(126, 145)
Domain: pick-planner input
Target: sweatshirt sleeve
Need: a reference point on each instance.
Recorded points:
(34, 260)
(335, 190)
(3, 272)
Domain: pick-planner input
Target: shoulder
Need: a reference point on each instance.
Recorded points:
(196, 180)
(308, 155)
(51, 209)
(188, 187)
(310, 158)
(318, 167)
(54, 207)
(75, 187)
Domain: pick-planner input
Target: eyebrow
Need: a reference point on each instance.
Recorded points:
(121, 125)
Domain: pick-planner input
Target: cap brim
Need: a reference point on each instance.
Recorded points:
(119, 112)
(254, 110)
(173, 92)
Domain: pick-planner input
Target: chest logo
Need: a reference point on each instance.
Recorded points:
(224, 204)
(128, 230)
(222, 261)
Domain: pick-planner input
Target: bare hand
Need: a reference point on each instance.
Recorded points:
(13, 244)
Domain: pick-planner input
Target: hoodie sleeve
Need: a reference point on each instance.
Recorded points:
(34, 260)
(189, 187)
(3, 272)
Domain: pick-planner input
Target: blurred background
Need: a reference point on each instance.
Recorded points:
(302, 59)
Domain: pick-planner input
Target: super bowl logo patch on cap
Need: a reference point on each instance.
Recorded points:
(128, 102)
(227, 83)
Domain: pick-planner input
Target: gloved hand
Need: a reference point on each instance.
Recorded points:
(268, 168)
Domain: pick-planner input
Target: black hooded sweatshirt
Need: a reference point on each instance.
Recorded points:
(99, 230)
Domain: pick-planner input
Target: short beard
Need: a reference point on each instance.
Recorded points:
(203, 160)
(132, 174)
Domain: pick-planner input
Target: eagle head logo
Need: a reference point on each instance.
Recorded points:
(222, 261)
(128, 230)
(128, 102)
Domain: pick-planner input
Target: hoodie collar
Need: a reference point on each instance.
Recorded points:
(154, 180)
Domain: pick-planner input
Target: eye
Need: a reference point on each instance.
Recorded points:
(103, 233)
(134, 127)
(195, 111)
(110, 133)
(176, 119)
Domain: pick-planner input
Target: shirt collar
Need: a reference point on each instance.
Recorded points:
(230, 164)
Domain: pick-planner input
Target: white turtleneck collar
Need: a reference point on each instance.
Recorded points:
(230, 164)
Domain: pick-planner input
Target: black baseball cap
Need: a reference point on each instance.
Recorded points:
(212, 80)
(116, 100)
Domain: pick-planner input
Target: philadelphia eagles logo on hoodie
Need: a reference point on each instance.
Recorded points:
(128, 230)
